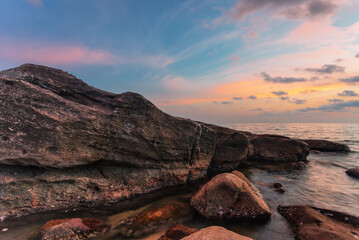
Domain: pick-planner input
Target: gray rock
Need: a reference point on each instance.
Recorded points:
(326, 146)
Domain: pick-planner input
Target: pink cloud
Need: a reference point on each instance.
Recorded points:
(56, 54)
(177, 83)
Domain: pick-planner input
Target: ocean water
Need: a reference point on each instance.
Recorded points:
(322, 184)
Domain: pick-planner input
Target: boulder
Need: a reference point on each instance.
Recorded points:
(177, 232)
(75, 228)
(66, 144)
(309, 223)
(353, 172)
(215, 233)
(232, 149)
(148, 220)
(277, 149)
(227, 196)
(326, 146)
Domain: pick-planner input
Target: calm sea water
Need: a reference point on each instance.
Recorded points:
(323, 184)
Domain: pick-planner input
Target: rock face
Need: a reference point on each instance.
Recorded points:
(232, 149)
(75, 228)
(278, 149)
(66, 144)
(228, 196)
(150, 219)
(310, 223)
(326, 146)
(178, 232)
(215, 233)
(354, 172)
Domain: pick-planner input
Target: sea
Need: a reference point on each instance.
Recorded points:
(322, 184)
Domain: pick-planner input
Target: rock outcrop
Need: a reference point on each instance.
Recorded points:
(326, 146)
(177, 232)
(353, 172)
(215, 233)
(318, 224)
(232, 149)
(226, 196)
(75, 228)
(277, 149)
(66, 144)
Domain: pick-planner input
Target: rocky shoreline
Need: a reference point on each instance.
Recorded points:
(66, 144)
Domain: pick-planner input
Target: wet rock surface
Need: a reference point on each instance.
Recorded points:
(66, 144)
(326, 146)
(318, 224)
(76, 228)
(215, 233)
(226, 196)
(150, 219)
(178, 232)
(353, 172)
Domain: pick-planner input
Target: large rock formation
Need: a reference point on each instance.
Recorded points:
(215, 233)
(277, 149)
(353, 172)
(66, 144)
(326, 146)
(232, 149)
(229, 197)
(310, 223)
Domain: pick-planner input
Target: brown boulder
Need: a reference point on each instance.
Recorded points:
(310, 223)
(151, 219)
(215, 233)
(228, 196)
(75, 228)
(177, 232)
(326, 146)
(232, 149)
(278, 149)
(353, 172)
(66, 144)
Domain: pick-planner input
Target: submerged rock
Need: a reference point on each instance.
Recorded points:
(278, 187)
(229, 197)
(150, 219)
(310, 223)
(75, 228)
(353, 172)
(66, 144)
(299, 165)
(326, 146)
(232, 149)
(178, 232)
(215, 233)
(277, 149)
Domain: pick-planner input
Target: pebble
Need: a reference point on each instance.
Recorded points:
(4, 229)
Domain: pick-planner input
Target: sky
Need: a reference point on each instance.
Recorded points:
(209, 60)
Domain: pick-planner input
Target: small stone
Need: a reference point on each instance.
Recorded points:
(4, 229)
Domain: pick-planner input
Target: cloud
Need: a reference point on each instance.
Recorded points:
(268, 78)
(223, 102)
(284, 98)
(298, 101)
(333, 107)
(235, 58)
(257, 109)
(237, 98)
(357, 55)
(308, 91)
(354, 79)
(335, 100)
(156, 61)
(56, 54)
(291, 9)
(280, 93)
(35, 3)
(252, 97)
(326, 69)
(177, 83)
(348, 93)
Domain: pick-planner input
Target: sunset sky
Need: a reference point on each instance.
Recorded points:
(215, 61)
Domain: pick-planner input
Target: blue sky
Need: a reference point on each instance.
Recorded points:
(199, 59)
